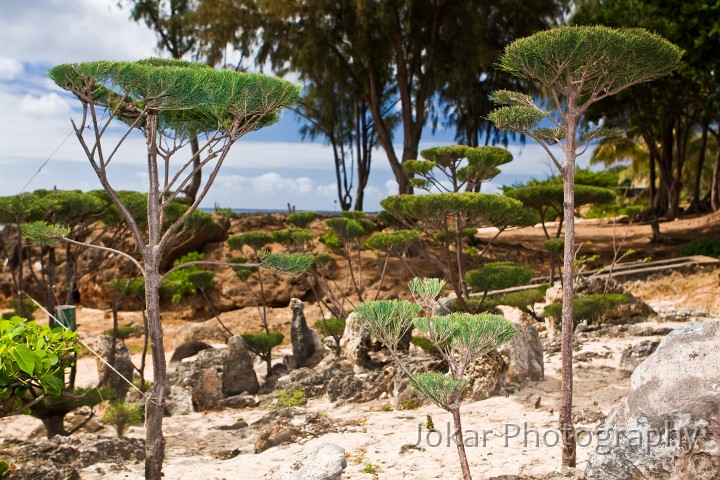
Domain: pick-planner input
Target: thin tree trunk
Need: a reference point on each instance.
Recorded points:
(50, 302)
(155, 408)
(455, 411)
(194, 186)
(54, 425)
(696, 201)
(566, 425)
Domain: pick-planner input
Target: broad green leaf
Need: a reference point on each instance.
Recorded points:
(25, 358)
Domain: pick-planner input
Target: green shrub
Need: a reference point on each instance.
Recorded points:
(330, 239)
(123, 415)
(4, 467)
(498, 275)
(371, 468)
(301, 219)
(554, 245)
(331, 327)
(524, 300)
(178, 284)
(593, 309)
(261, 342)
(293, 398)
(703, 246)
(123, 332)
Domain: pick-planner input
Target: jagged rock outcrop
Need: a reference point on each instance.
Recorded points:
(523, 355)
(485, 376)
(238, 372)
(668, 425)
(303, 343)
(215, 374)
(354, 343)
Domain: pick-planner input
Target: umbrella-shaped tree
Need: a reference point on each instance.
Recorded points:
(577, 67)
(170, 102)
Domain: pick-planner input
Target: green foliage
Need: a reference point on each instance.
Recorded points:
(331, 327)
(262, 343)
(608, 59)
(129, 286)
(292, 398)
(243, 273)
(331, 239)
(285, 263)
(591, 308)
(616, 210)
(438, 387)
(392, 243)
(702, 246)
(293, 238)
(33, 356)
(202, 280)
(498, 275)
(4, 467)
(554, 246)
(426, 290)
(524, 300)
(462, 166)
(371, 468)
(178, 284)
(254, 240)
(430, 212)
(550, 195)
(123, 332)
(191, 98)
(350, 226)
(123, 415)
(409, 402)
(387, 320)
(322, 259)
(44, 234)
(301, 219)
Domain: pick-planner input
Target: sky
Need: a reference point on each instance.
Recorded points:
(266, 169)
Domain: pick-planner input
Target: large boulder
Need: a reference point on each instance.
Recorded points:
(354, 343)
(117, 377)
(324, 462)
(668, 425)
(238, 371)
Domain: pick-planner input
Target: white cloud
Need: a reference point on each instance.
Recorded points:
(10, 68)
(49, 104)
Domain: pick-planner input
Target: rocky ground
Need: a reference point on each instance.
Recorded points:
(515, 428)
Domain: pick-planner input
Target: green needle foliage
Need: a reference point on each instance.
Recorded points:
(285, 263)
(459, 338)
(294, 239)
(497, 276)
(262, 344)
(301, 219)
(525, 301)
(392, 243)
(592, 309)
(387, 320)
(548, 199)
(462, 166)
(44, 234)
(123, 415)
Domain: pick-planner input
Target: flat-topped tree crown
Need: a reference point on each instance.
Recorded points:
(460, 165)
(189, 98)
(590, 62)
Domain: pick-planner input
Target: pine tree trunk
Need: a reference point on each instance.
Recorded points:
(455, 411)
(154, 440)
(54, 425)
(566, 426)
(715, 188)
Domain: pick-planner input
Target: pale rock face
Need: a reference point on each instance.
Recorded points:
(326, 462)
(122, 363)
(353, 343)
(670, 419)
(523, 355)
